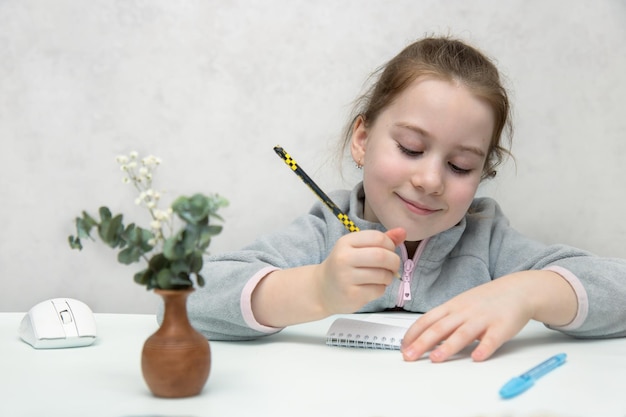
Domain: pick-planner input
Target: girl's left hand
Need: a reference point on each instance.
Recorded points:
(491, 313)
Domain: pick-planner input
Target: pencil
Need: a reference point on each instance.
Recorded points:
(349, 224)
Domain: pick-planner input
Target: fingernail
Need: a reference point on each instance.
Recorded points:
(408, 353)
(436, 355)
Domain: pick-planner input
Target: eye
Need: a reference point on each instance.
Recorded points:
(458, 170)
(409, 152)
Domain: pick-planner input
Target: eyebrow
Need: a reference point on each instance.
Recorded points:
(464, 148)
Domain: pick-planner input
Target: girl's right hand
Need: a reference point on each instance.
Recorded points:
(358, 270)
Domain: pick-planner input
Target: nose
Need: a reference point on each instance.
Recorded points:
(429, 176)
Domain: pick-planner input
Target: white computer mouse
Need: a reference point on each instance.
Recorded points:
(58, 323)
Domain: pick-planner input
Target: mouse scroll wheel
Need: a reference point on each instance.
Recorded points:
(66, 317)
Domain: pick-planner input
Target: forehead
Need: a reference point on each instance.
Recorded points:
(442, 109)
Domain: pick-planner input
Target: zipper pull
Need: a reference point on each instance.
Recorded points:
(406, 280)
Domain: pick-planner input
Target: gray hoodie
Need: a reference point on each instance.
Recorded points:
(482, 247)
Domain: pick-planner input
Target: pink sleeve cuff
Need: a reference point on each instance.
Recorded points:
(581, 295)
(246, 302)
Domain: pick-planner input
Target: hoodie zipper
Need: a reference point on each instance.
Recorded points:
(408, 267)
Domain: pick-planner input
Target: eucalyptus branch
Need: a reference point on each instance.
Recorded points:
(172, 260)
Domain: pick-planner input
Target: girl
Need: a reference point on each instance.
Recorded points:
(425, 135)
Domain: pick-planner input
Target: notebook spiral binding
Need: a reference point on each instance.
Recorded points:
(365, 342)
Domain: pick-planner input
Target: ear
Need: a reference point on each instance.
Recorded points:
(358, 141)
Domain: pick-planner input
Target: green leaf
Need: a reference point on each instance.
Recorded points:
(198, 208)
(204, 237)
(179, 266)
(158, 262)
(89, 221)
(215, 229)
(200, 280)
(164, 279)
(75, 243)
(105, 213)
(110, 231)
(181, 281)
(195, 263)
(189, 241)
(173, 248)
(84, 225)
(143, 277)
(129, 255)
(138, 238)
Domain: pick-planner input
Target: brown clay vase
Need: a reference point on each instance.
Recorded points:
(176, 359)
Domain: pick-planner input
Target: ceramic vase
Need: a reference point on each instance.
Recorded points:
(176, 359)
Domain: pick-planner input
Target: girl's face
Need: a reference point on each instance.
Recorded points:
(423, 157)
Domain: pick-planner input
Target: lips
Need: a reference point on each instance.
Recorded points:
(418, 208)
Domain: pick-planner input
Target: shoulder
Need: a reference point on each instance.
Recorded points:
(341, 197)
(486, 210)
(484, 205)
(485, 221)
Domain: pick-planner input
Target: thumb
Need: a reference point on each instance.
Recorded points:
(397, 235)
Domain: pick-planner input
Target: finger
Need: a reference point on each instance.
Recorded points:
(423, 338)
(421, 324)
(373, 238)
(489, 343)
(372, 276)
(464, 335)
(397, 235)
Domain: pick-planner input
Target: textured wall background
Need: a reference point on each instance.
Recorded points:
(212, 86)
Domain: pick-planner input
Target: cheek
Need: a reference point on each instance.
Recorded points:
(386, 169)
(463, 194)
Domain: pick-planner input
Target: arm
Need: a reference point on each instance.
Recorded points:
(492, 313)
(275, 270)
(358, 269)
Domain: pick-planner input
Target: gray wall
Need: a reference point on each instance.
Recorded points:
(212, 86)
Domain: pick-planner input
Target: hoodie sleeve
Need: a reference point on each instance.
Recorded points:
(221, 310)
(599, 283)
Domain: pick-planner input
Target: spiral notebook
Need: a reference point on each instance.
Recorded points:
(369, 334)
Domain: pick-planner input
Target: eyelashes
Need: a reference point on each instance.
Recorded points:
(409, 152)
(415, 154)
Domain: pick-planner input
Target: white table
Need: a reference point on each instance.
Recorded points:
(295, 374)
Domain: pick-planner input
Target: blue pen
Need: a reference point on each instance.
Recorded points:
(521, 383)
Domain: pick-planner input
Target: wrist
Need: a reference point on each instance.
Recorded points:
(554, 301)
(286, 297)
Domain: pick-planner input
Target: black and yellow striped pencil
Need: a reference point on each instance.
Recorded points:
(349, 224)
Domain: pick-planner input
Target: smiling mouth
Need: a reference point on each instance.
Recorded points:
(418, 208)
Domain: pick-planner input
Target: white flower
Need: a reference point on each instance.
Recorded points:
(160, 215)
(121, 159)
(151, 160)
(133, 155)
(155, 224)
